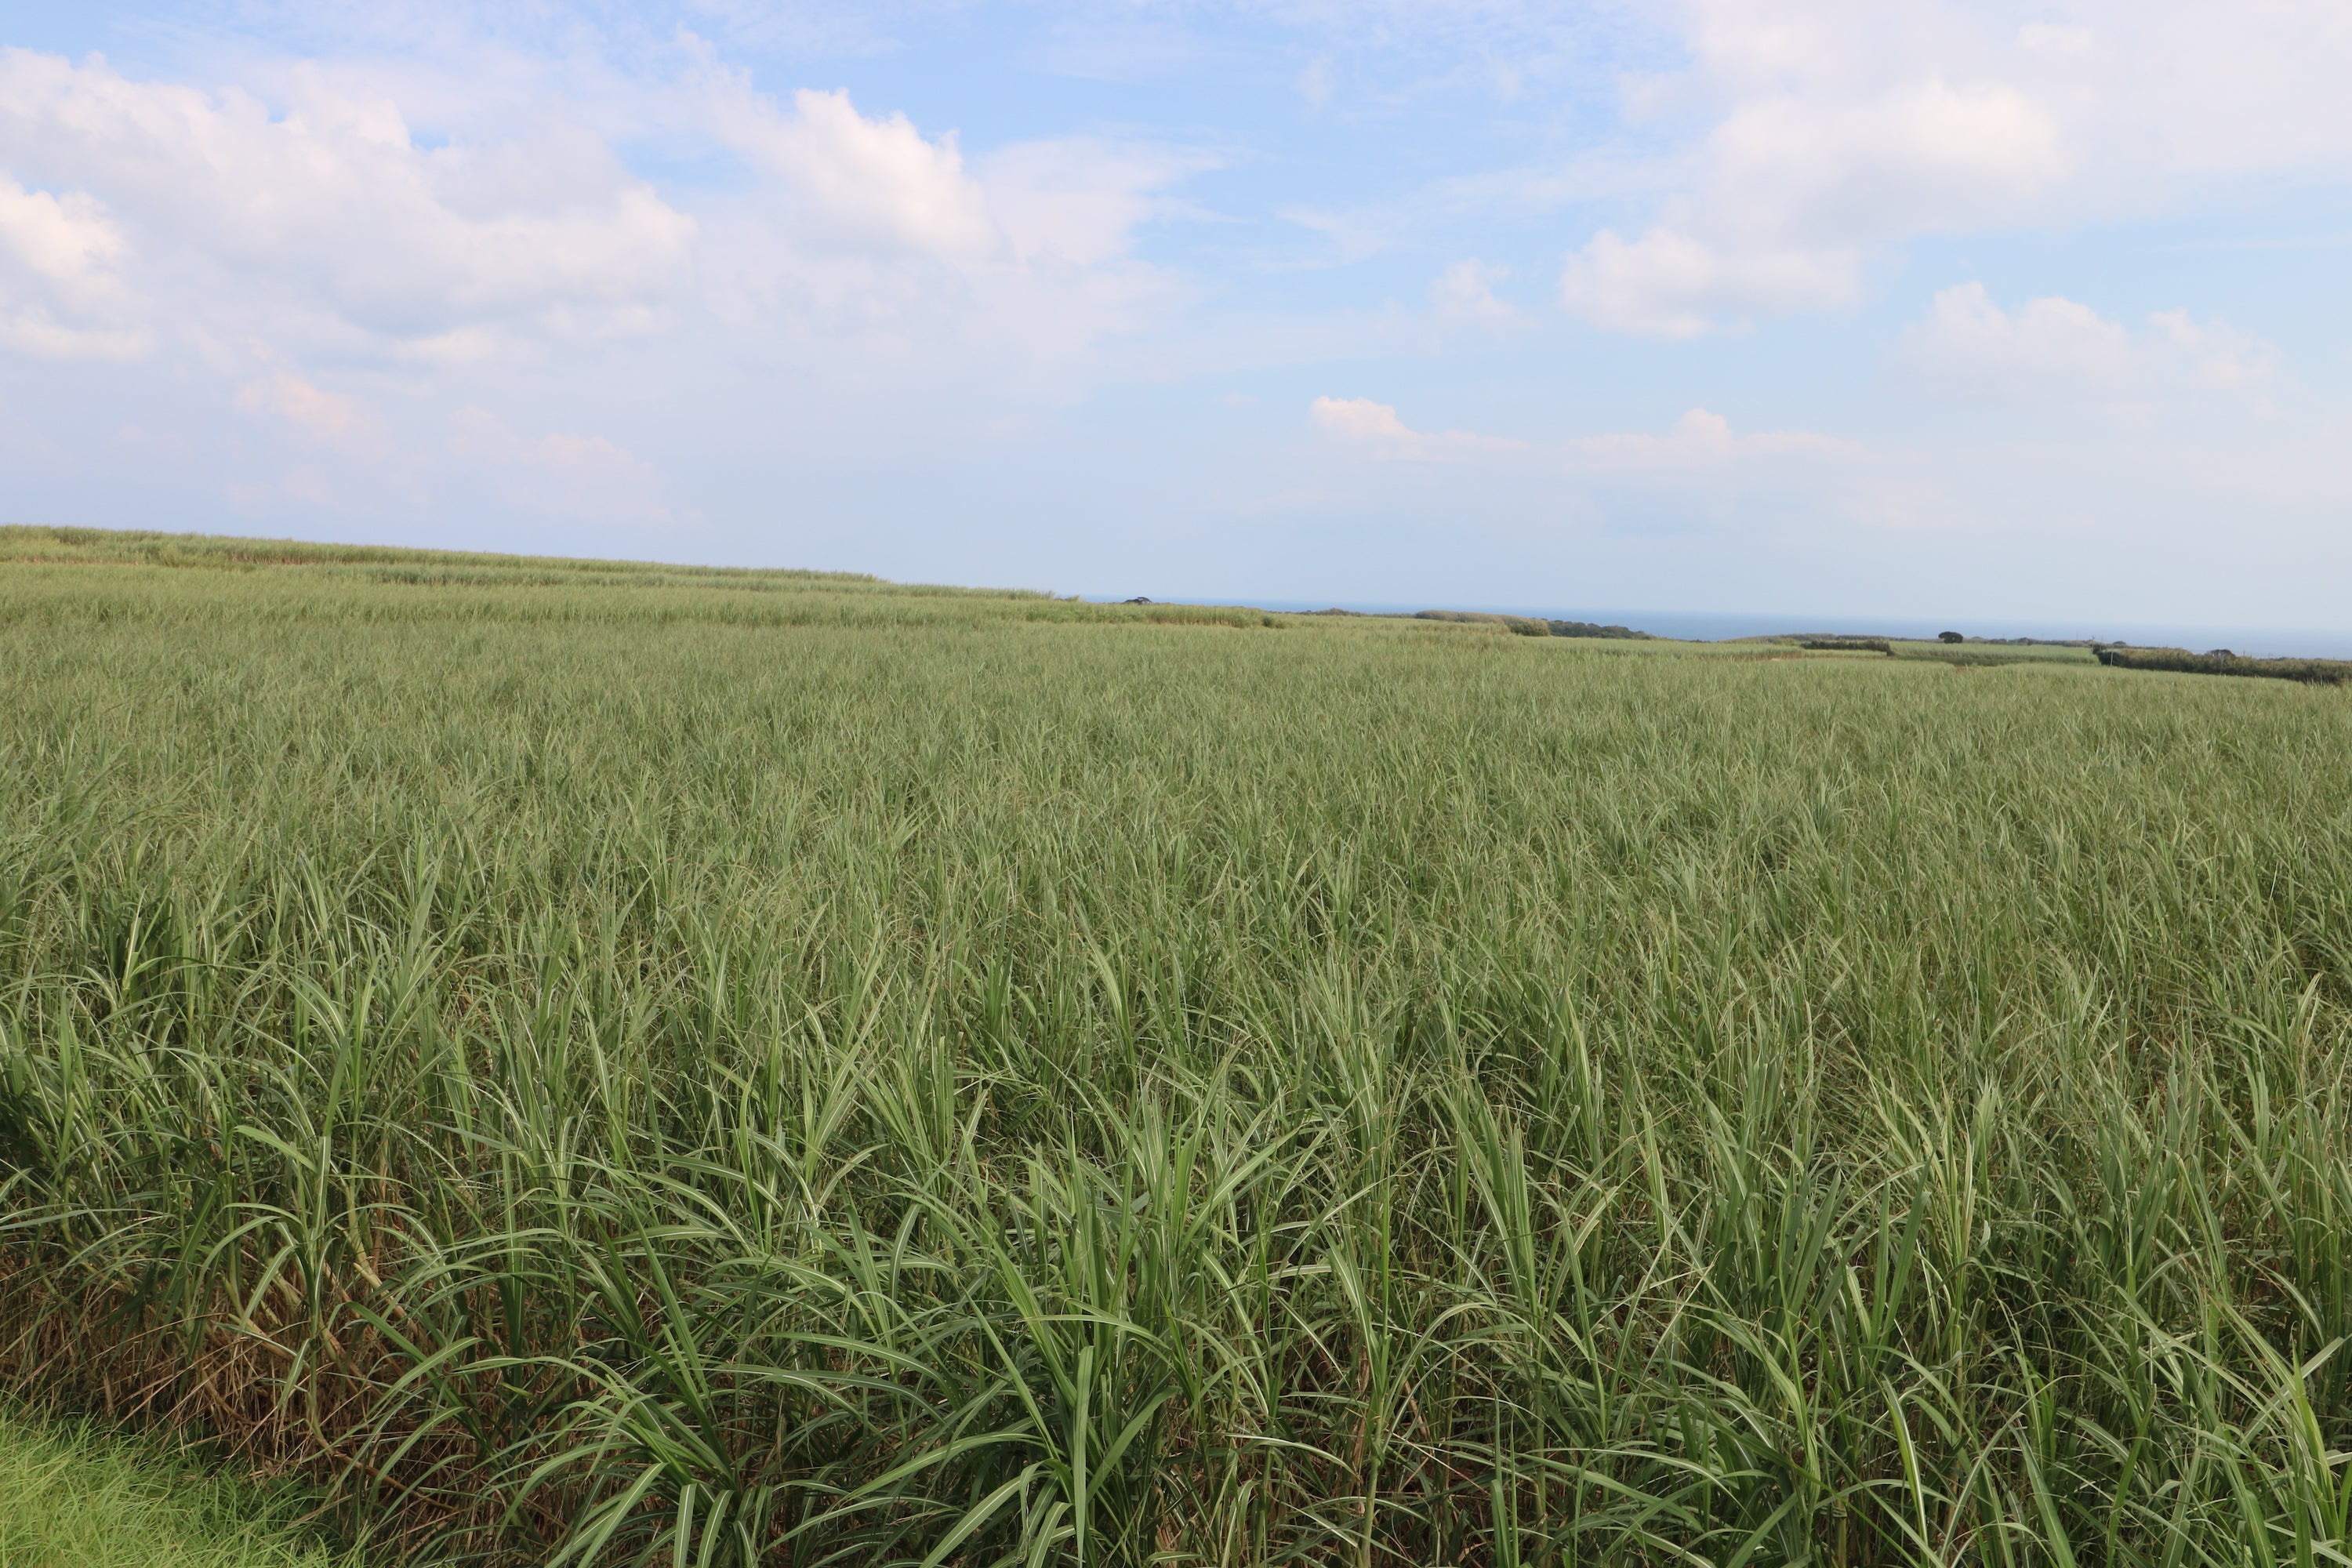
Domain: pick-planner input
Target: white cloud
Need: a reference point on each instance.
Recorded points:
(1079, 201)
(1671, 285)
(2049, 347)
(2223, 356)
(1836, 129)
(62, 295)
(2059, 348)
(1698, 439)
(2187, 91)
(67, 242)
(1920, 157)
(859, 184)
(336, 205)
(478, 433)
(1464, 295)
(317, 227)
(1361, 421)
(879, 188)
(1799, 187)
(891, 256)
(330, 418)
(1313, 83)
(31, 330)
(583, 477)
(2043, 38)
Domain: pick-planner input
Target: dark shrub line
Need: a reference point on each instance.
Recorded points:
(2221, 661)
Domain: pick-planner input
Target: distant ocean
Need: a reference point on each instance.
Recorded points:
(2272, 642)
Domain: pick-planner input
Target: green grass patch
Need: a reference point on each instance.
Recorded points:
(817, 1072)
(73, 1496)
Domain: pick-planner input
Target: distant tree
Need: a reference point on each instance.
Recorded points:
(1950, 637)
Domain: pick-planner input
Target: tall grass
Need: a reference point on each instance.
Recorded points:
(618, 1074)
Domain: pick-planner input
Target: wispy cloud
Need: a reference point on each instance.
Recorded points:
(2057, 348)
(1699, 438)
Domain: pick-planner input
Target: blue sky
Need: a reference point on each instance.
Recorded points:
(1919, 307)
